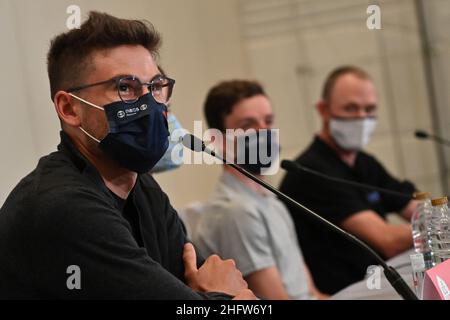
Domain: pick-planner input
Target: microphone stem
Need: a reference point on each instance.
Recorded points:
(353, 183)
(441, 140)
(392, 275)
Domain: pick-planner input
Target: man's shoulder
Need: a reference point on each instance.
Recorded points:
(315, 158)
(235, 222)
(368, 158)
(54, 186)
(226, 211)
(57, 170)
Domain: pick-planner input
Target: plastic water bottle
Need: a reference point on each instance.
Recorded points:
(419, 221)
(423, 259)
(439, 230)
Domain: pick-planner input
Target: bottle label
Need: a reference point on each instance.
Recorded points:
(417, 262)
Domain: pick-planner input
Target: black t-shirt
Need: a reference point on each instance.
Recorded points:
(62, 214)
(129, 212)
(335, 262)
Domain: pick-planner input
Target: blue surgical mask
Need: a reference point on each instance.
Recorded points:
(137, 137)
(173, 158)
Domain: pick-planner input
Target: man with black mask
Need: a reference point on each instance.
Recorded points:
(89, 222)
(243, 221)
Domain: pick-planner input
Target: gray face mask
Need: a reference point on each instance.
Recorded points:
(352, 134)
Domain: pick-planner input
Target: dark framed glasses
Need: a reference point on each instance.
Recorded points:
(130, 88)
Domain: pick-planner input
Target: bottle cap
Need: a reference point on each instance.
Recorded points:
(439, 201)
(421, 195)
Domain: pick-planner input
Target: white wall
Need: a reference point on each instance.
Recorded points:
(17, 140)
(436, 14)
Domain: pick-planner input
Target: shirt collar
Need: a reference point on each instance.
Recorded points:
(329, 153)
(86, 168)
(230, 186)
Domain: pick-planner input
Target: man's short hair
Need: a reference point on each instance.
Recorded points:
(224, 96)
(68, 59)
(334, 75)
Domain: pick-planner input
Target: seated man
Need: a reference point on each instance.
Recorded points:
(90, 222)
(243, 221)
(348, 110)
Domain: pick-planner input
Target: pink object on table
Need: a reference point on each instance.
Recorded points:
(437, 282)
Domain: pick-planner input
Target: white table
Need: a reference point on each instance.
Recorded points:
(360, 290)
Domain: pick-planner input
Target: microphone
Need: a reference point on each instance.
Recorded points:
(420, 134)
(293, 166)
(197, 145)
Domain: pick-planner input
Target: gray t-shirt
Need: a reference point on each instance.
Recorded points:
(253, 229)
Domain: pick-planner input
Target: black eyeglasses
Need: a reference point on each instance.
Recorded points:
(130, 89)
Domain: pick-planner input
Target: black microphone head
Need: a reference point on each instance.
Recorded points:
(421, 134)
(289, 165)
(192, 142)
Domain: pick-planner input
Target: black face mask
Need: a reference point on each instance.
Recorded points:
(261, 144)
(138, 133)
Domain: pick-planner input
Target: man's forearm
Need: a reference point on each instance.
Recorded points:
(400, 240)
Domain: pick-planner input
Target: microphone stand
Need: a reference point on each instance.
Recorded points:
(294, 166)
(425, 135)
(391, 274)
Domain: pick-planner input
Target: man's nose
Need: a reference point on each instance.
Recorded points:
(362, 113)
(262, 125)
(145, 90)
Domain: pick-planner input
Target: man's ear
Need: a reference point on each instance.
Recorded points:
(322, 107)
(66, 109)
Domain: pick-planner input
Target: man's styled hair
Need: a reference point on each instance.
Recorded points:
(69, 57)
(224, 96)
(334, 75)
